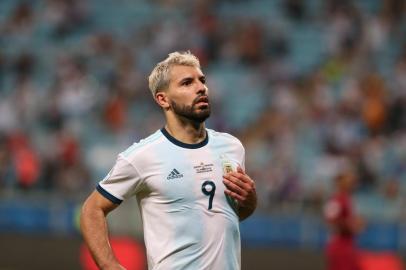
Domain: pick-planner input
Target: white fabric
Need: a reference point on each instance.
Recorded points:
(180, 231)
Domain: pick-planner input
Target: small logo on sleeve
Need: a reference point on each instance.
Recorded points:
(174, 174)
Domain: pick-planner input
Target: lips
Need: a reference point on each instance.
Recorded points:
(204, 100)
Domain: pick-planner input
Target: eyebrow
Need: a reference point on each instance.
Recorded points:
(190, 78)
(185, 79)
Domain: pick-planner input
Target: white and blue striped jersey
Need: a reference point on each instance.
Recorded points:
(188, 221)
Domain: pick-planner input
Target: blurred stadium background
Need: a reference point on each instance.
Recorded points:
(309, 86)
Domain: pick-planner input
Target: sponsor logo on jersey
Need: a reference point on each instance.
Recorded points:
(174, 174)
(203, 168)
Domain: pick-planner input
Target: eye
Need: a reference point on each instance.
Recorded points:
(186, 82)
(203, 80)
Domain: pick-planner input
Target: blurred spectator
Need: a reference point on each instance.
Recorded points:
(65, 16)
(25, 97)
(24, 160)
(341, 251)
(20, 21)
(64, 169)
(295, 9)
(374, 108)
(393, 204)
(115, 112)
(250, 42)
(5, 163)
(75, 90)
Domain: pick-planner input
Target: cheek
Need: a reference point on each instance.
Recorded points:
(183, 98)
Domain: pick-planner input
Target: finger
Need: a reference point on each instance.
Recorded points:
(234, 195)
(242, 177)
(240, 170)
(237, 180)
(245, 177)
(234, 188)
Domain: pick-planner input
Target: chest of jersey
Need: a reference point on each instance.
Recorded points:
(191, 179)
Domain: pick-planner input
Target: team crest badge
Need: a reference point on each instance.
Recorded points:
(226, 164)
(227, 168)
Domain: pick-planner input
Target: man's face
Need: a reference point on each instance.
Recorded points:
(188, 94)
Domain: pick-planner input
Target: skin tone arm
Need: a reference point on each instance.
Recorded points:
(242, 188)
(94, 229)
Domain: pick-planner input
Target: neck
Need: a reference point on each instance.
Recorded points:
(185, 130)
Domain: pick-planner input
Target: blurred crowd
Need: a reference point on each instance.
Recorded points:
(312, 88)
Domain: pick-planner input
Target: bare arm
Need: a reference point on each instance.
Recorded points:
(242, 188)
(94, 229)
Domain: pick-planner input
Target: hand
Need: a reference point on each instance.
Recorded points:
(242, 188)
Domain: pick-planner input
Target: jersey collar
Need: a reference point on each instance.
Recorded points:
(182, 144)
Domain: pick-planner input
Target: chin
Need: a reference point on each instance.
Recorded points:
(202, 116)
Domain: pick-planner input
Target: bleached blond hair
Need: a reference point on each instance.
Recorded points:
(159, 78)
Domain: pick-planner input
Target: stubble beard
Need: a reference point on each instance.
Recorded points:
(191, 112)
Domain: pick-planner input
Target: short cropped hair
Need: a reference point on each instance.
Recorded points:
(159, 78)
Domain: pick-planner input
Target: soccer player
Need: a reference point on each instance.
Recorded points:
(189, 181)
(341, 250)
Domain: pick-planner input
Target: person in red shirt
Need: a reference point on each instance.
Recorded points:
(341, 250)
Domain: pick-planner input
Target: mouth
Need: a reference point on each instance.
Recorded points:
(202, 101)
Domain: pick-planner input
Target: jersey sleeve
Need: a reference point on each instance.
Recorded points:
(240, 153)
(121, 182)
(242, 157)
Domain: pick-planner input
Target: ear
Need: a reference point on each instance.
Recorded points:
(162, 99)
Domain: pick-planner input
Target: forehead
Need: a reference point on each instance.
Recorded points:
(178, 72)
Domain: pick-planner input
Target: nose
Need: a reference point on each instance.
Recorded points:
(202, 89)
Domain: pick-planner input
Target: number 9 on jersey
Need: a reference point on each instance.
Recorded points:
(209, 189)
